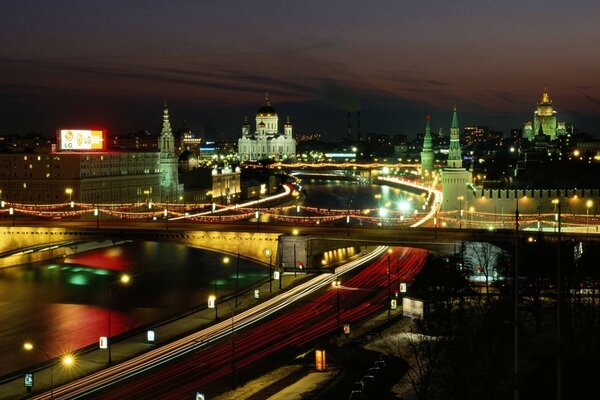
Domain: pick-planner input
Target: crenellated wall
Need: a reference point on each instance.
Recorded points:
(532, 201)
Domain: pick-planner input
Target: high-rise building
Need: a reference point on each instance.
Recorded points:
(544, 117)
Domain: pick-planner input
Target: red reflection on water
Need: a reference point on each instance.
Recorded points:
(83, 325)
(111, 259)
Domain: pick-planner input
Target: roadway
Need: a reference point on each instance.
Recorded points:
(200, 361)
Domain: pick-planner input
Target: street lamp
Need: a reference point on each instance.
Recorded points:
(67, 360)
(378, 197)
(471, 211)
(269, 253)
(11, 211)
(69, 192)
(389, 271)
(588, 205)
(97, 215)
(348, 218)
(124, 279)
(336, 284)
(460, 214)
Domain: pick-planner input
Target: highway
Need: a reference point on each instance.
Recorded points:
(179, 369)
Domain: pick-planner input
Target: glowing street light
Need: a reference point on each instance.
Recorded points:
(460, 199)
(69, 192)
(268, 253)
(124, 280)
(336, 284)
(67, 360)
(588, 205)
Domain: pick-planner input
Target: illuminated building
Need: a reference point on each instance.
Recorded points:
(266, 142)
(81, 165)
(544, 119)
(427, 153)
(169, 183)
(456, 180)
(92, 177)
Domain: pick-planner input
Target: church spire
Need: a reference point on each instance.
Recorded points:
(166, 142)
(267, 102)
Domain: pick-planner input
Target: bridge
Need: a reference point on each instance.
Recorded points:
(307, 248)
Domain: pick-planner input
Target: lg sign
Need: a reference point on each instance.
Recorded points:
(80, 139)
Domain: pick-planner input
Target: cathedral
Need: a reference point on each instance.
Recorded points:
(266, 142)
(544, 121)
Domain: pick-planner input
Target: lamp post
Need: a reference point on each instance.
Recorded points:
(336, 284)
(460, 213)
(124, 279)
(378, 197)
(348, 218)
(97, 215)
(471, 211)
(588, 205)
(67, 360)
(389, 271)
(558, 306)
(237, 278)
(69, 192)
(269, 253)
(11, 211)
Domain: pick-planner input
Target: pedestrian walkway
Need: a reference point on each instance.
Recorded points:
(51, 375)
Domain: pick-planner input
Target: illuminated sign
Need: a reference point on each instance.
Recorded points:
(28, 379)
(80, 139)
(103, 342)
(412, 308)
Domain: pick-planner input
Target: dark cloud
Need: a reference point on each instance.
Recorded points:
(509, 98)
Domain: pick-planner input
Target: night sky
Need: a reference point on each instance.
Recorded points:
(111, 63)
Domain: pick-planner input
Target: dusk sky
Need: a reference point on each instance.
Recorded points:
(111, 63)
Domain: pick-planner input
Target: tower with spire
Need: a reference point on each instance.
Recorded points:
(266, 142)
(169, 181)
(427, 153)
(454, 151)
(544, 117)
(457, 186)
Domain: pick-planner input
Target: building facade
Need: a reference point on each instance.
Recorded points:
(456, 180)
(266, 142)
(427, 153)
(544, 121)
(81, 177)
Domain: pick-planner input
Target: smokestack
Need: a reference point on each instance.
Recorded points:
(349, 124)
(358, 138)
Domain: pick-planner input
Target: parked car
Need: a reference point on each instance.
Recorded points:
(356, 394)
(375, 371)
(358, 385)
(380, 364)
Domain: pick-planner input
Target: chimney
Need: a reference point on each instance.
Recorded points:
(358, 138)
(350, 125)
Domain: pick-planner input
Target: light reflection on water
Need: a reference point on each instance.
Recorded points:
(336, 195)
(62, 306)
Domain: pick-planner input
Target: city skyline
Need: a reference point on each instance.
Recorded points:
(213, 63)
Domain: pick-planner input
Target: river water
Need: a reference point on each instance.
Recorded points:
(63, 305)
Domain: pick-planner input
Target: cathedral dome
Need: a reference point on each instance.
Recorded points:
(266, 110)
(187, 160)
